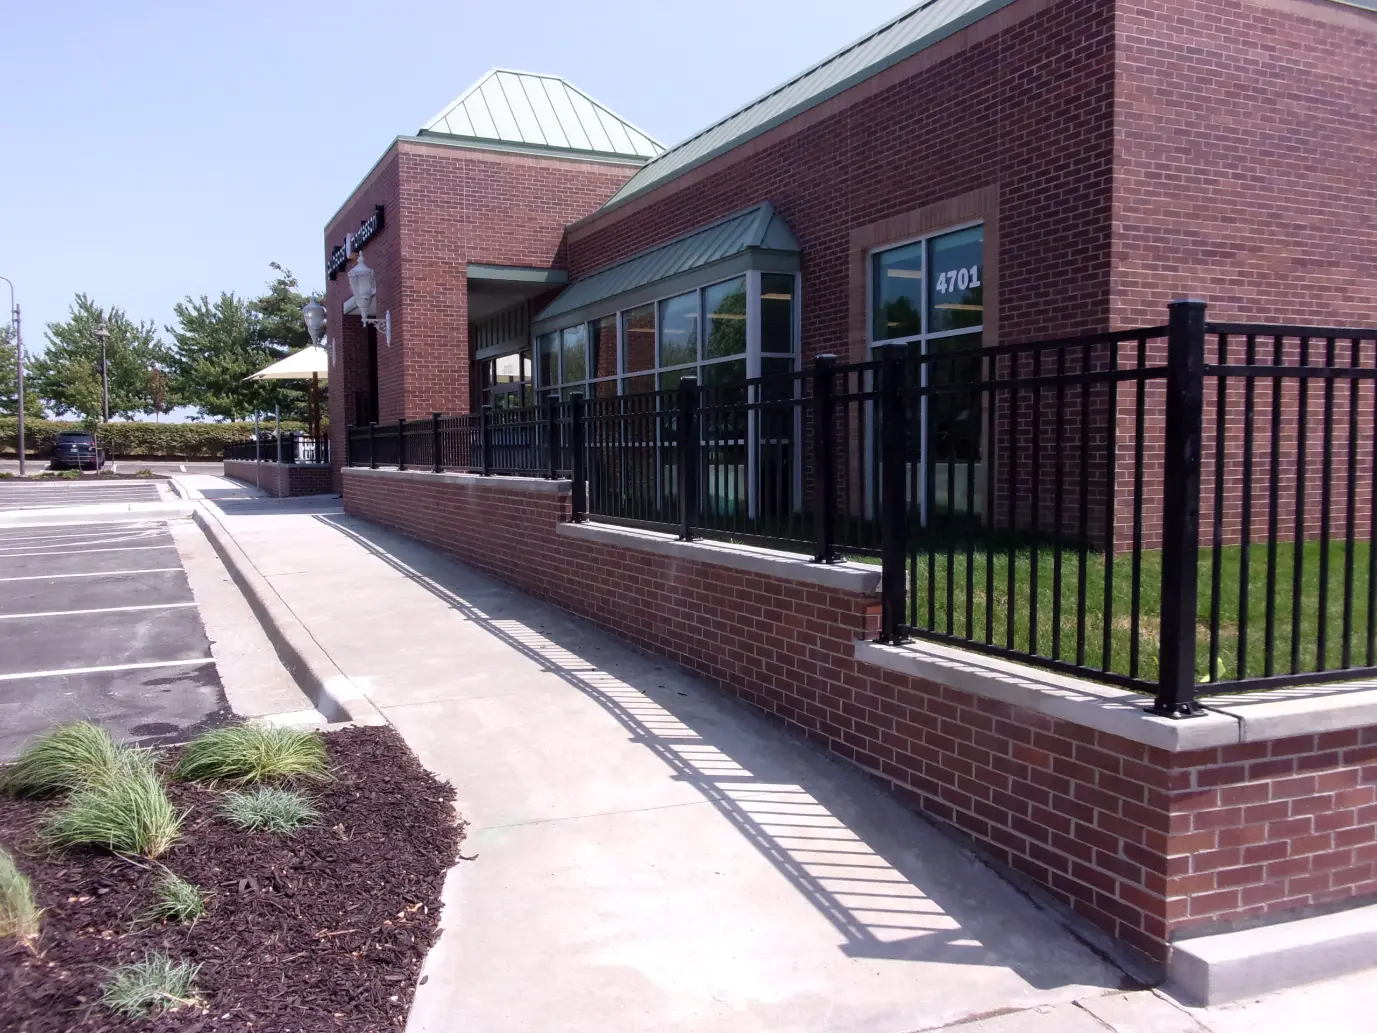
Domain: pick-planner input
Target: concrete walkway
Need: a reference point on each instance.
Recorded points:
(649, 854)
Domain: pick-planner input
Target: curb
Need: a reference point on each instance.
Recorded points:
(331, 691)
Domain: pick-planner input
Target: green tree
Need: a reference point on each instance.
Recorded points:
(67, 373)
(215, 348)
(218, 345)
(9, 380)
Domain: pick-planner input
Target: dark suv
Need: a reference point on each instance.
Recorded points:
(79, 449)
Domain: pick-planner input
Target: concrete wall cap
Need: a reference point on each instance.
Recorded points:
(1102, 707)
(533, 484)
(861, 578)
(1300, 709)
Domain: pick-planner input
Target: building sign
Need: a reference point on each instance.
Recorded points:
(371, 227)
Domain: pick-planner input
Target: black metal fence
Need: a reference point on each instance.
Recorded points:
(1176, 509)
(295, 447)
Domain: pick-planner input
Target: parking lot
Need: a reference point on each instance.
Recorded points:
(51, 494)
(98, 621)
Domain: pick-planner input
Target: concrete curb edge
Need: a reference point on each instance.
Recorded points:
(331, 691)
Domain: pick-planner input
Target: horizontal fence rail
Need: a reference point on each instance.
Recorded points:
(296, 447)
(1177, 509)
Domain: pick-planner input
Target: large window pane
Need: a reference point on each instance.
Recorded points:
(574, 349)
(547, 360)
(897, 303)
(679, 329)
(603, 345)
(725, 304)
(777, 313)
(956, 285)
(638, 339)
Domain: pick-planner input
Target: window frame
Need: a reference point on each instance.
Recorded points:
(752, 355)
(925, 335)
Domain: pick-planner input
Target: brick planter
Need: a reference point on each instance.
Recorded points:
(1148, 828)
(282, 479)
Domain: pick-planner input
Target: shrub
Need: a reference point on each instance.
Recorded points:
(269, 809)
(61, 760)
(178, 900)
(143, 473)
(252, 753)
(125, 810)
(157, 983)
(180, 440)
(18, 912)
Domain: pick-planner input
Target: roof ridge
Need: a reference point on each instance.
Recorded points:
(860, 41)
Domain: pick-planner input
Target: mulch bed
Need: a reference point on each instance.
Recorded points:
(325, 929)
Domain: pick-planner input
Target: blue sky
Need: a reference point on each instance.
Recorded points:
(154, 150)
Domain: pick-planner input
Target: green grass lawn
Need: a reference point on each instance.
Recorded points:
(1039, 636)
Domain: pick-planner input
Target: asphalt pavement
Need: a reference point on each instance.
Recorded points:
(98, 621)
(59, 494)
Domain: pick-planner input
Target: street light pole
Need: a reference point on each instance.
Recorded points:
(19, 370)
(102, 334)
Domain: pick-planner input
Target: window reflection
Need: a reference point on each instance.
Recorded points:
(679, 329)
(777, 313)
(897, 307)
(725, 304)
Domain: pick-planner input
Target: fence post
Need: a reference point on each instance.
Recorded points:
(435, 442)
(552, 436)
(893, 481)
(824, 460)
(373, 446)
(1181, 508)
(485, 438)
(688, 457)
(580, 473)
(401, 442)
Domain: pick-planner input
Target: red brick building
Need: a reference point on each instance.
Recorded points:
(1095, 158)
(973, 172)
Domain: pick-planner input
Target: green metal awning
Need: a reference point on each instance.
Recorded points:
(754, 239)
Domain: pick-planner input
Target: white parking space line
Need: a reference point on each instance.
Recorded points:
(101, 609)
(77, 552)
(34, 535)
(101, 670)
(96, 573)
(62, 548)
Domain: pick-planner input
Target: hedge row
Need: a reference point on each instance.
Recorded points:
(132, 440)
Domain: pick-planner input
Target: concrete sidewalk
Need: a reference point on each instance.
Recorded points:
(649, 854)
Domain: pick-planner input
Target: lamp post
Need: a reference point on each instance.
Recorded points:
(19, 371)
(102, 335)
(313, 312)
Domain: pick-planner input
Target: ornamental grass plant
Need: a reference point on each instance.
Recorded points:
(126, 810)
(252, 753)
(62, 760)
(268, 809)
(18, 911)
(155, 984)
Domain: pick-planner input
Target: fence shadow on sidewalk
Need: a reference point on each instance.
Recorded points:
(918, 897)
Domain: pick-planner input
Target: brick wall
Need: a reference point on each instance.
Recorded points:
(282, 480)
(1019, 106)
(1243, 160)
(464, 205)
(1145, 843)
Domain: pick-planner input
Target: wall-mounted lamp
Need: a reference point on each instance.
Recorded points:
(364, 283)
(313, 312)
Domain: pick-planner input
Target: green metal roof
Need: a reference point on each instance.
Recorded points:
(911, 32)
(539, 111)
(757, 229)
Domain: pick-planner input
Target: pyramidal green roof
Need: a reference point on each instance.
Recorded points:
(540, 111)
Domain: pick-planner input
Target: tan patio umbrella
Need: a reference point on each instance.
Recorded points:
(311, 362)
